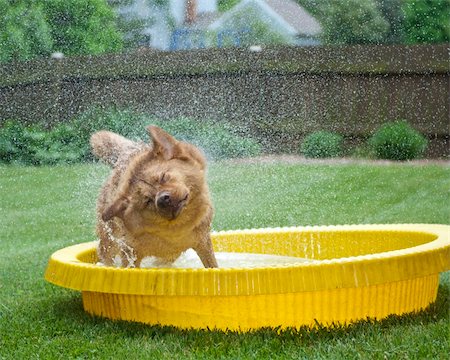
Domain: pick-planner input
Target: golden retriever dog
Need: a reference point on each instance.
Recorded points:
(155, 203)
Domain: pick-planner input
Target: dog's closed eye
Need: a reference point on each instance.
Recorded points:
(164, 178)
(144, 181)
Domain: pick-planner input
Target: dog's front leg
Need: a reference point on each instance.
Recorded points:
(205, 252)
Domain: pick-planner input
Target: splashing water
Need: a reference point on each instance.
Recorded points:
(125, 249)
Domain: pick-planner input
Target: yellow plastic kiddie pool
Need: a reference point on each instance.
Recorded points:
(351, 273)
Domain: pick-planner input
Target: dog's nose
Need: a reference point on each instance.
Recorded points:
(164, 200)
(170, 205)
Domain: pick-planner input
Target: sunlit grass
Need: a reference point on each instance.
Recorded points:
(286, 195)
(44, 209)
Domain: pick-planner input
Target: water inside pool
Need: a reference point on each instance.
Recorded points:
(190, 259)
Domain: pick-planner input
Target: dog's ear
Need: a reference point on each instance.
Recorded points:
(164, 144)
(116, 209)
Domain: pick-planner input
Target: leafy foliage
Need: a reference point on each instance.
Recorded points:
(251, 27)
(353, 22)
(390, 10)
(397, 141)
(218, 140)
(393, 13)
(24, 31)
(13, 143)
(382, 21)
(427, 21)
(225, 5)
(69, 142)
(29, 29)
(33, 145)
(82, 26)
(322, 144)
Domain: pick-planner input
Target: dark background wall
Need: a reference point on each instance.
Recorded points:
(279, 93)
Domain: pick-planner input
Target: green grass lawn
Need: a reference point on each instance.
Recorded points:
(44, 209)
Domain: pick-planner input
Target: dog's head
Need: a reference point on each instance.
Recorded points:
(160, 184)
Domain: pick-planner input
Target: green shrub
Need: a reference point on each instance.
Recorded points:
(14, 143)
(33, 145)
(57, 146)
(124, 122)
(397, 141)
(322, 144)
(69, 142)
(217, 140)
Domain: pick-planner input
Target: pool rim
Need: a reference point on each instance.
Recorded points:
(67, 270)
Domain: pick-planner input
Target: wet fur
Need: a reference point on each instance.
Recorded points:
(134, 217)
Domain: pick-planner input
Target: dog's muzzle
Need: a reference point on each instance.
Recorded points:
(170, 206)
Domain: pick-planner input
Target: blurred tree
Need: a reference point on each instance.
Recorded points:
(32, 28)
(427, 21)
(82, 26)
(315, 7)
(353, 22)
(391, 10)
(393, 13)
(249, 27)
(24, 32)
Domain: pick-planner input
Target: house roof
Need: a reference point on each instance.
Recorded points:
(286, 13)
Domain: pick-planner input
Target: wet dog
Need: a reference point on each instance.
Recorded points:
(155, 203)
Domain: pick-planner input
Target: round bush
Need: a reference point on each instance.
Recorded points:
(322, 144)
(397, 141)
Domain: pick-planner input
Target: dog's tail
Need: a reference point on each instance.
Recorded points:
(112, 148)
